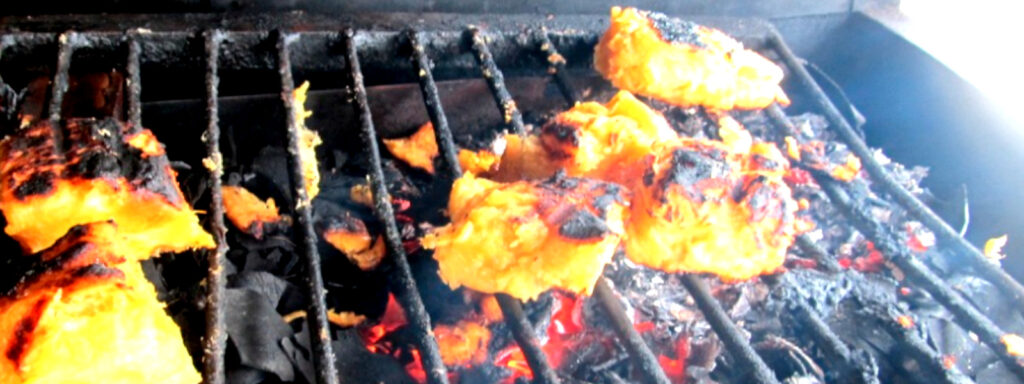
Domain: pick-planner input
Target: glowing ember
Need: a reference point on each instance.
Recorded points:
(675, 368)
(1014, 344)
(566, 325)
(464, 343)
(919, 239)
(948, 361)
(905, 321)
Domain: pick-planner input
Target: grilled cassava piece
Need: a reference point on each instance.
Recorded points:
(526, 237)
(697, 205)
(248, 212)
(708, 206)
(684, 64)
(87, 314)
(54, 178)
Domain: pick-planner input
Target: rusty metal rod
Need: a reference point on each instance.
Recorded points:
(320, 337)
(216, 334)
(643, 358)
(406, 291)
(432, 101)
(963, 312)
(735, 342)
(495, 80)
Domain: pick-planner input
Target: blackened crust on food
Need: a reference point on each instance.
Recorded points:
(562, 135)
(97, 270)
(23, 333)
(610, 194)
(676, 31)
(689, 168)
(94, 149)
(583, 225)
(40, 183)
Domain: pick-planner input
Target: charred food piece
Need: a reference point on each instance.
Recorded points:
(87, 315)
(702, 207)
(684, 64)
(523, 238)
(54, 178)
(418, 150)
(611, 142)
(349, 235)
(248, 212)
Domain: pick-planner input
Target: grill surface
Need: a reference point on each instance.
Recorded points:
(522, 43)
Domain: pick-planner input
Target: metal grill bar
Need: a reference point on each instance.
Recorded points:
(405, 284)
(837, 354)
(495, 80)
(638, 350)
(216, 337)
(641, 354)
(820, 255)
(918, 350)
(134, 82)
(556, 66)
(522, 332)
(320, 338)
(65, 48)
(964, 313)
(737, 344)
(914, 206)
(432, 101)
(511, 308)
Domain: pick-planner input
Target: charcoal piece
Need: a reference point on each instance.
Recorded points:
(296, 348)
(271, 170)
(246, 375)
(996, 374)
(359, 365)
(268, 285)
(256, 329)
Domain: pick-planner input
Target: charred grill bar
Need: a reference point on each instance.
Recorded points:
(320, 336)
(216, 337)
(171, 47)
(404, 283)
(889, 185)
(965, 313)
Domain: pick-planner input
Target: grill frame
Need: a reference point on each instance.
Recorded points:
(379, 40)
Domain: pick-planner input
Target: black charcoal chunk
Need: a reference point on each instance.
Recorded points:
(256, 329)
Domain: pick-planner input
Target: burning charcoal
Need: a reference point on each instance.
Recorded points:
(357, 364)
(256, 329)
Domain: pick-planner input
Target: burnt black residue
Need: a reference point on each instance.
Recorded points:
(690, 167)
(610, 193)
(39, 183)
(23, 332)
(564, 134)
(583, 225)
(674, 30)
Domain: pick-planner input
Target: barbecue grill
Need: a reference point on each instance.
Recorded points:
(364, 54)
